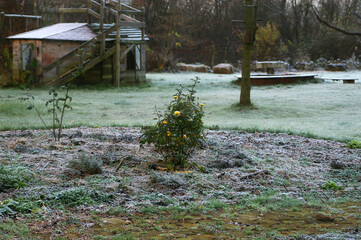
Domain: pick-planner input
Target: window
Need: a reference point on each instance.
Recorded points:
(26, 55)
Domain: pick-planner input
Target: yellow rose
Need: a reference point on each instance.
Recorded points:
(177, 113)
(164, 122)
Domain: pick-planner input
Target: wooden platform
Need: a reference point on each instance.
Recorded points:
(345, 80)
(268, 79)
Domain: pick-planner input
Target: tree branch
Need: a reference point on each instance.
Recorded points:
(334, 27)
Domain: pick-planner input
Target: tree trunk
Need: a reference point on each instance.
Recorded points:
(251, 28)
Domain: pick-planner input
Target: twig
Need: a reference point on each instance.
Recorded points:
(120, 164)
(42, 120)
(254, 174)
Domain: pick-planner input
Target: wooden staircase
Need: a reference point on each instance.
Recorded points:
(116, 38)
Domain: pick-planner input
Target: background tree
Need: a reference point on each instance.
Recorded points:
(202, 30)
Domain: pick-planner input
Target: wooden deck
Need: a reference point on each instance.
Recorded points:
(344, 80)
(267, 79)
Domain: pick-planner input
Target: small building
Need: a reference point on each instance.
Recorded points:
(53, 53)
(46, 45)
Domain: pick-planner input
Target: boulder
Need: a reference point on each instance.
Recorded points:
(223, 68)
(336, 67)
(193, 67)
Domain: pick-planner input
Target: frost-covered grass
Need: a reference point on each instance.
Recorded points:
(327, 110)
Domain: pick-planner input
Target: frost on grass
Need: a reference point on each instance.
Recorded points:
(297, 168)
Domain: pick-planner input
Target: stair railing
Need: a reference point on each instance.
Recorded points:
(56, 69)
(60, 71)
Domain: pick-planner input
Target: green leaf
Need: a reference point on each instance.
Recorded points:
(31, 106)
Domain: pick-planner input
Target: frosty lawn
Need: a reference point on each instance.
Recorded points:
(327, 110)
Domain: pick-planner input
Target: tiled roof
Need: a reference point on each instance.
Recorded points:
(60, 31)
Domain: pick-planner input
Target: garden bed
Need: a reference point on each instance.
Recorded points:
(235, 172)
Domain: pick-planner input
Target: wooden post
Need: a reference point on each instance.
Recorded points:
(36, 12)
(2, 18)
(89, 7)
(38, 23)
(136, 65)
(141, 57)
(57, 72)
(35, 8)
(102, 44)
(117, 47)
(106, 17)
(62, 14)
(11, 26)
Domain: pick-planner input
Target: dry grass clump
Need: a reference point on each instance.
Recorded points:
(85, 165)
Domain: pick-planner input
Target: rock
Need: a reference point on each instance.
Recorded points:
(223, 68)
(337, 165)
(193, 67)
(336, 67)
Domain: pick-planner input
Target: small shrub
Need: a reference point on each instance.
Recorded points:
(56, 106)
(21, 205)
(354, 144)
(80, 196)
(14, 176)
(331, 186)
(178, 130)
(86, 165)
(5, 210)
